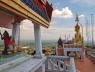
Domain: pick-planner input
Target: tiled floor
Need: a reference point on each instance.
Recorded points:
(85, 66)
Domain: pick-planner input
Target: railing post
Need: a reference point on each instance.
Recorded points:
(65, 53)
(46, 64)
(72, 63)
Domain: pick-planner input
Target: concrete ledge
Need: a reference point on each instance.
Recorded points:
(24, 64)
(5, 67)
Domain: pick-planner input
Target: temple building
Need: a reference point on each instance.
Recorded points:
(72, 47)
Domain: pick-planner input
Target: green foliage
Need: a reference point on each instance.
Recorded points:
(93, 47)
(34, 53)
(87, 46)
(48, 44)
(44, 51)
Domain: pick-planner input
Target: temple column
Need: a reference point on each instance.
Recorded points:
(38, 43)
(65, 53)
(15, 32)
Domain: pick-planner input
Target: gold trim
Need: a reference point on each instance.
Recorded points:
(21, 9)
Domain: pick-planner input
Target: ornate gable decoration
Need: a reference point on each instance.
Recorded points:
(44, 1)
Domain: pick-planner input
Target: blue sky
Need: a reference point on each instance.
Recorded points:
(65, 23)
(82, 7)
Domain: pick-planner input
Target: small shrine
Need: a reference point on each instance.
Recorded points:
(60, 43)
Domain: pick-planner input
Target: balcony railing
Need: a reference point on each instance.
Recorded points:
(44, 64)
(58, 64)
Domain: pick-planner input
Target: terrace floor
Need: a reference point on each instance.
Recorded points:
(86, 65)
(8, 58)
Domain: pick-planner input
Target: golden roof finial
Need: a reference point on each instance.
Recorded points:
(77, 19)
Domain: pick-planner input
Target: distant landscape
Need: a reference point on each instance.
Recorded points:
(31, 43)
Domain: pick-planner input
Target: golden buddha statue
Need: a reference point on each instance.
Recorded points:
(78, 38)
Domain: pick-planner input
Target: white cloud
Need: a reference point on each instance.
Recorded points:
(89, 2)
(27, 30)
(26, 24)
(64, 13)
(81, 16)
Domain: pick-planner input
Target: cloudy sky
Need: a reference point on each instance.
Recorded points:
(63, 19)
